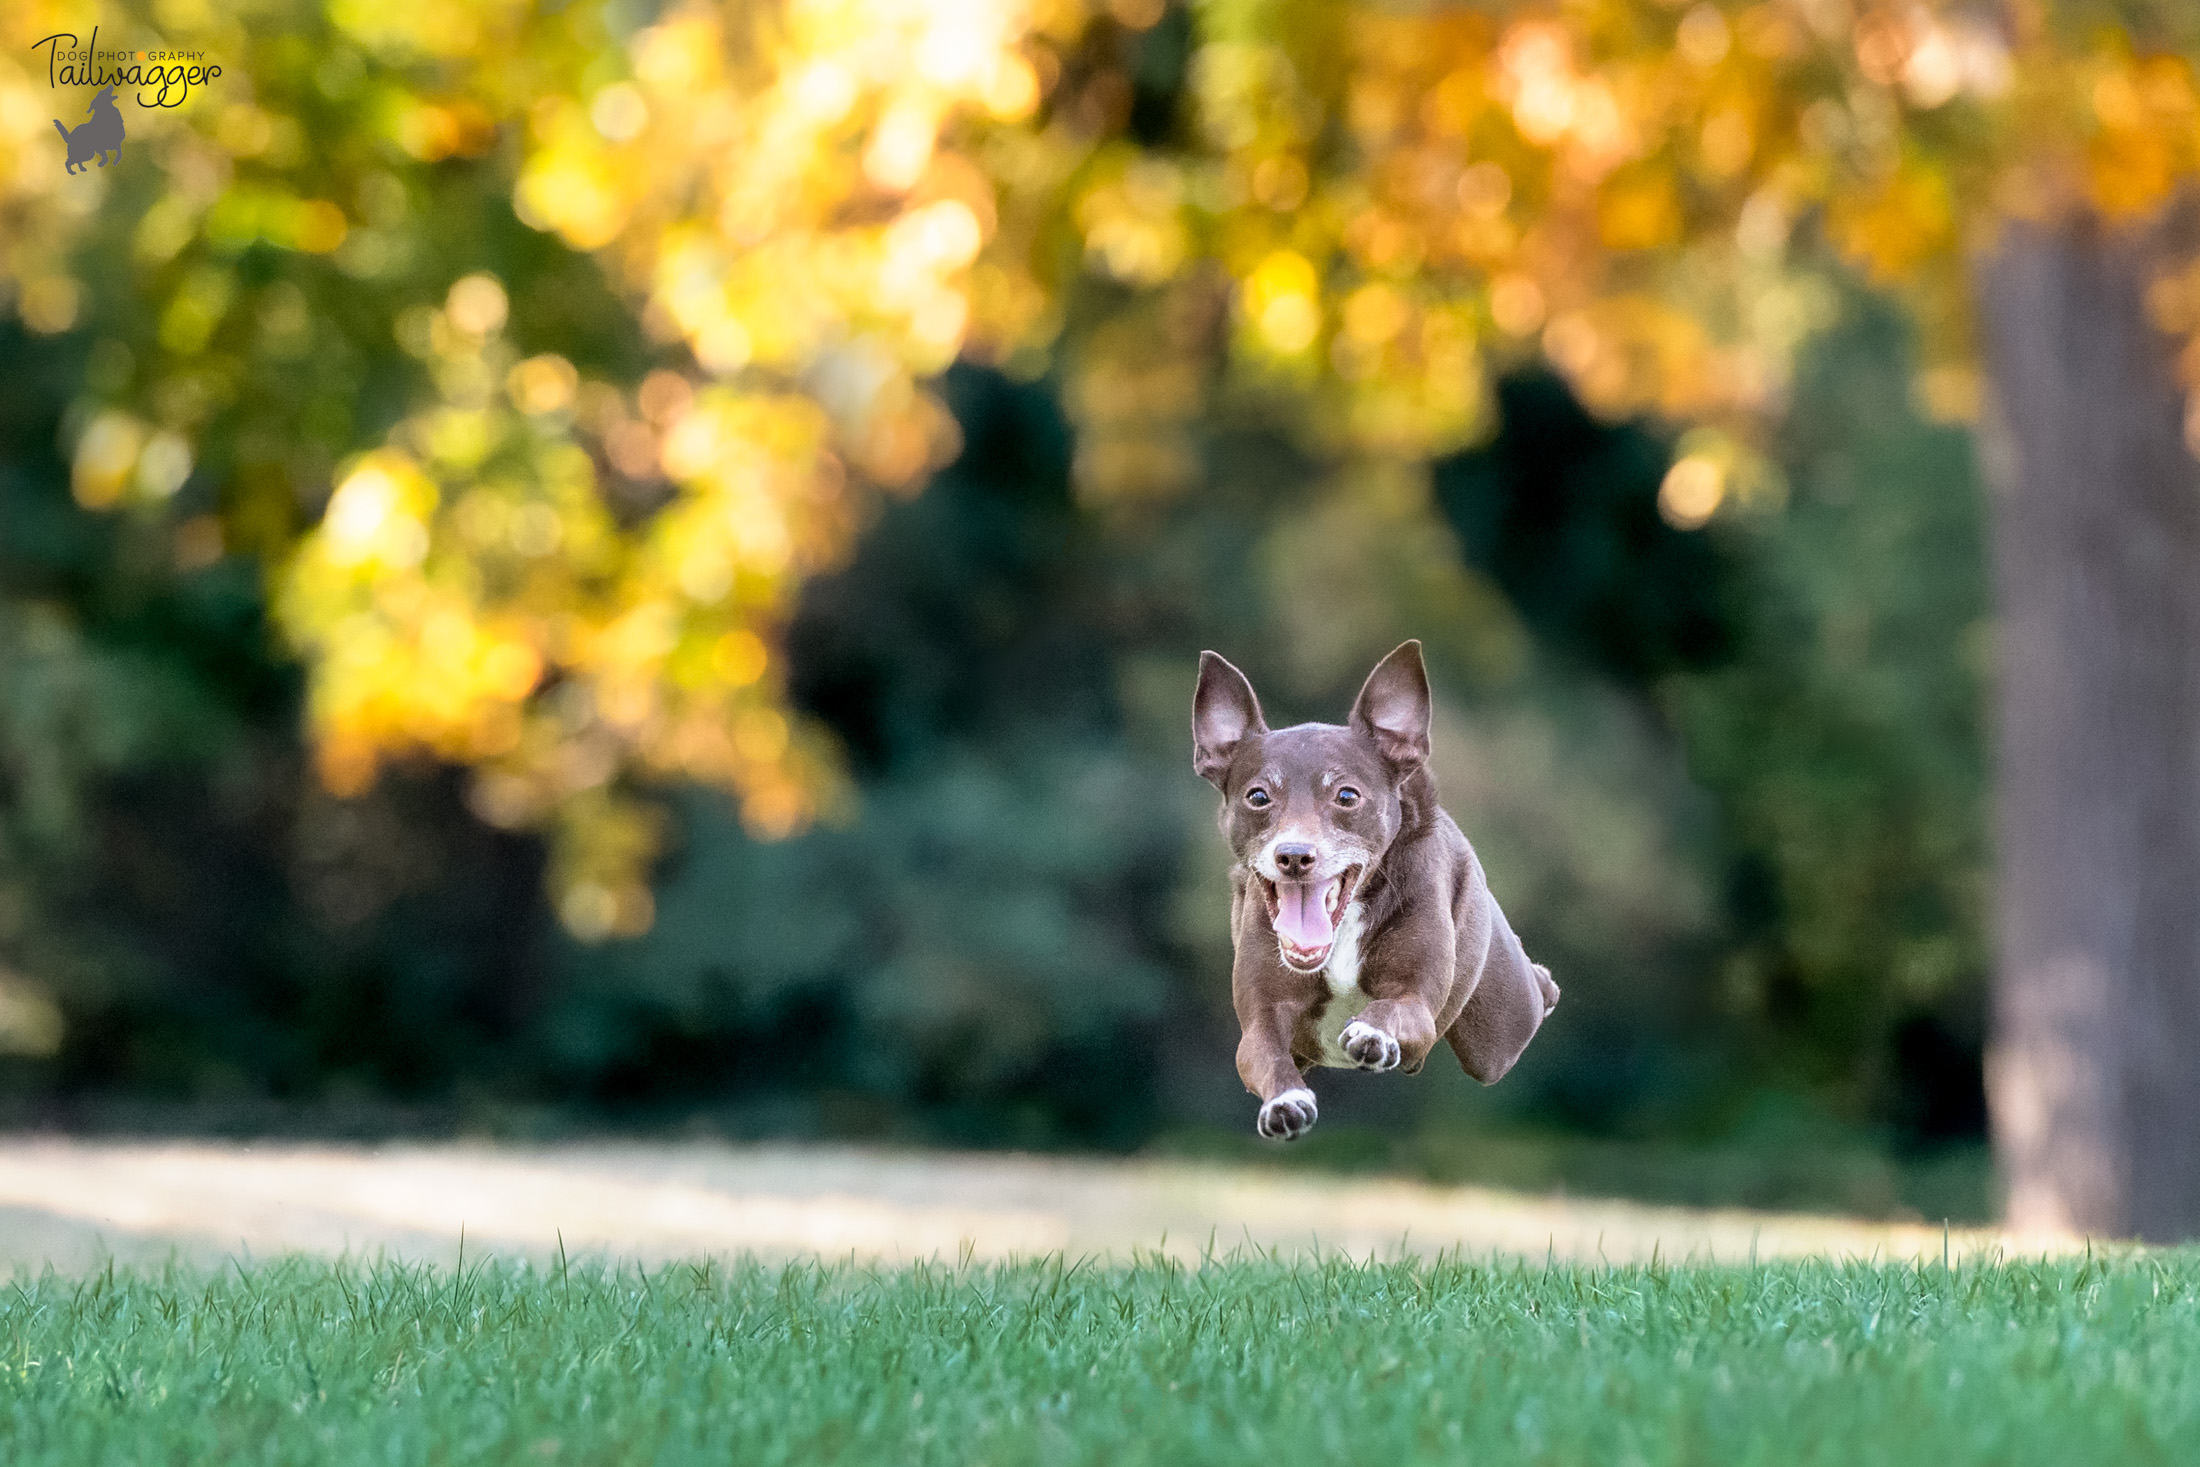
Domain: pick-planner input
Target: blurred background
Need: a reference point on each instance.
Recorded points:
(523, 615)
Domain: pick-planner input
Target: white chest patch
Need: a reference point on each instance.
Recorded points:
(1346, 997)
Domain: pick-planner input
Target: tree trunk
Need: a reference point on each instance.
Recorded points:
(2094, 1070)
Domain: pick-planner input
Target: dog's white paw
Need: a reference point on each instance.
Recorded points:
(1287, 1117)
(1369, 1047)
(1549, 989)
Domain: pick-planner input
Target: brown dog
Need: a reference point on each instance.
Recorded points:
(1361, 921)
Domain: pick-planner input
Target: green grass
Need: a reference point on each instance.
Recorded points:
(2081, 1361)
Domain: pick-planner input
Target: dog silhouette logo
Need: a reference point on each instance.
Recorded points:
(98, 137)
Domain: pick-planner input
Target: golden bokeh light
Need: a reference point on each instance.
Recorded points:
(1690, 495)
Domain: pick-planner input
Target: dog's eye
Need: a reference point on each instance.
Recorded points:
(1257, 798)
(1347, 796)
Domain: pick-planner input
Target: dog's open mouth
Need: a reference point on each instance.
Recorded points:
(1305, 915)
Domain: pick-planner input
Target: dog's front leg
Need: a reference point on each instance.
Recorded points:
(1270, 1001)
(1265, 1064)
(1407, 972)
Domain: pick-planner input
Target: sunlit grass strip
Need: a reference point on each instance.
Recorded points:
(2092, 1359)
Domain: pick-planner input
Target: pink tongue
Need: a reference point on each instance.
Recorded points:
(1302, 914)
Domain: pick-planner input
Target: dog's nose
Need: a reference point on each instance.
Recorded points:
(1295, 860)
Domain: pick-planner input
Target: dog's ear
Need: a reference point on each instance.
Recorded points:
(1393, 708)
(1225, 713)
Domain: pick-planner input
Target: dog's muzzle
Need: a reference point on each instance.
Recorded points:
(1305, 913)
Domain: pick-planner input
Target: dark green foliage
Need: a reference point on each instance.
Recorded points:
(2074, 1360)
(1845, 745)
(967, 615)
(213, 929)
(1819, 661)
(981, 948)
(1563, 512)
